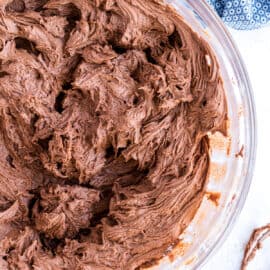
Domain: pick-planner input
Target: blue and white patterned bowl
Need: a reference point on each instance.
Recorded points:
(243, 14)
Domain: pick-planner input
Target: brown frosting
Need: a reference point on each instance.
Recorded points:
(105, 107)
(255, 242)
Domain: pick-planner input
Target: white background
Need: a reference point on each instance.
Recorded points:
(255, 49)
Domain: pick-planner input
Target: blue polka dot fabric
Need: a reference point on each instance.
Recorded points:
(243, 14)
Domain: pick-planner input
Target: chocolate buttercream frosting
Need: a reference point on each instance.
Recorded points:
(255, 242)
(105, 107)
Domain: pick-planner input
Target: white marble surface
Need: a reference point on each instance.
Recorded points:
(255, 49)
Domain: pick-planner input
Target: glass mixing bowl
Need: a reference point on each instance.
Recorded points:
(232, 157)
